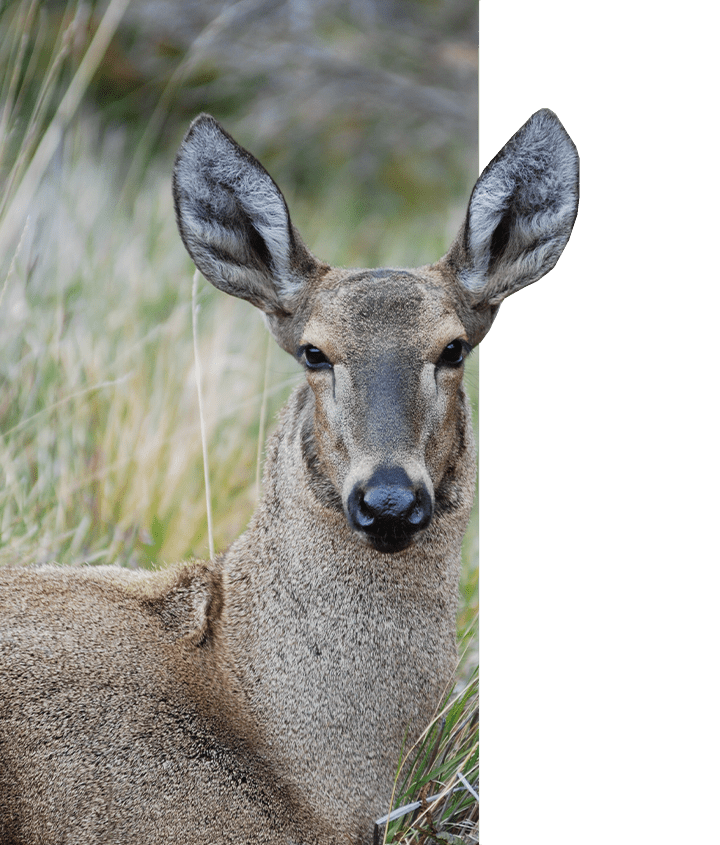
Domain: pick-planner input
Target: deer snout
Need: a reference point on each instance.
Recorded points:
(389, 508)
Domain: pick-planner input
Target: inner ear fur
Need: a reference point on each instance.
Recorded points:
(520, 215)
(234, 222)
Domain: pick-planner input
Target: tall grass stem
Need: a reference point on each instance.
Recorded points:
(64, 114)
(198, 381)
(263, 414)
(194, 55)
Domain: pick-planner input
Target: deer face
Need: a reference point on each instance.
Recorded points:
(384, 356)
(383, 349)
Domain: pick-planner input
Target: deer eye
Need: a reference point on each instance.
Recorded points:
(453, 355)
(314, 359)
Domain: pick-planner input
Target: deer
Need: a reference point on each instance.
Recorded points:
(266, 695)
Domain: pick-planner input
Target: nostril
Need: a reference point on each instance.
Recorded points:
(417, 514)
(389, 508)
(422, 510)
(364, 514)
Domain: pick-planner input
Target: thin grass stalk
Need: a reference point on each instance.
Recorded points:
(193, 55)
(38, 164)
(14, 102)
(203, 438)
(15, 61)
(34, 57)
(417, 742)
(42, 101)
(60, 52)
(13, 261)
(445, 792)
(263, 413)
(14, 39)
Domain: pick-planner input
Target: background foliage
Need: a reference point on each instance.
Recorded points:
(364, 111)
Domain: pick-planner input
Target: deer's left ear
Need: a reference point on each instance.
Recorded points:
(520, 215)
(234, 222)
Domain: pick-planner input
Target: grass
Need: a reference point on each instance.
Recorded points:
(100, 449)
(101, 455)
(435, 799)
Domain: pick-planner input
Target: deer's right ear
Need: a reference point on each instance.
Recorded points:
(234, 221)
(520, 215)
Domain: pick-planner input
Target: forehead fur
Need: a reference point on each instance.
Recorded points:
(402, 305)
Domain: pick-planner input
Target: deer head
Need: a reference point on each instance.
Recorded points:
(383, 350)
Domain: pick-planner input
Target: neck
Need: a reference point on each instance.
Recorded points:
(346, 651)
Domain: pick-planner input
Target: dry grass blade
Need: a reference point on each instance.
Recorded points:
(203, 436)
(36, 167)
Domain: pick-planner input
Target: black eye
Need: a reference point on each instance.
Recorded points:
(314, 358)
(453, 354)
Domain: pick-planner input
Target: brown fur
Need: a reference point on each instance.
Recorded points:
(265, 696)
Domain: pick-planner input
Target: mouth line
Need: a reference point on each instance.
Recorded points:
(386, 547)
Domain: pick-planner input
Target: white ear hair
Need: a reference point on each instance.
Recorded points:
(520, 214)
(233, 219)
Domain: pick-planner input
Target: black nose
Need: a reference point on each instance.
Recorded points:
(389, 509)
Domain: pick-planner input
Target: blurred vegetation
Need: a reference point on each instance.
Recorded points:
(374, 100)
(364, 111)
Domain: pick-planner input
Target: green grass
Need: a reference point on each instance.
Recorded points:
(100, 448)
(435, 798)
